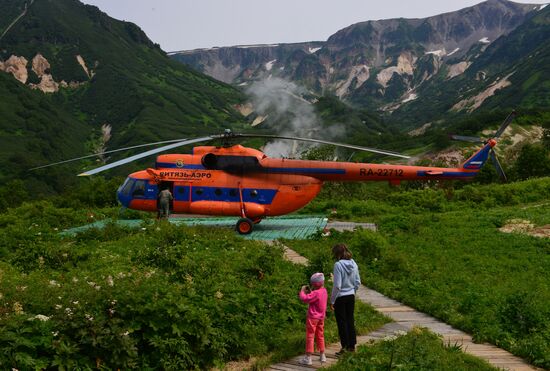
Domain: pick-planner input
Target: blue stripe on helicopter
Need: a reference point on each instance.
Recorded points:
(282, 170)
(259, 196)
(447, 173)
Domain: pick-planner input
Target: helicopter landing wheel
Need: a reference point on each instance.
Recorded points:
(257, 220)
(245, 226)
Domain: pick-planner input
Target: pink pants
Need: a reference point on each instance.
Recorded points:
(315, 329)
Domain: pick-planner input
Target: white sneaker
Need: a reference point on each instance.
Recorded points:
(306, 361)
(322, 358)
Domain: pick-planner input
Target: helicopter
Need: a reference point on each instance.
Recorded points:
(232, 180)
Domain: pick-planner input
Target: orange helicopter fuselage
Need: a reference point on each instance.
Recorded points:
(240, 181)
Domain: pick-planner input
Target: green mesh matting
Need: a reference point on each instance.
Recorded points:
(292, 228)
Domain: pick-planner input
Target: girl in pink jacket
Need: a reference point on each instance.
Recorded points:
(315, 322)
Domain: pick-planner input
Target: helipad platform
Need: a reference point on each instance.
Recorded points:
(292, 228)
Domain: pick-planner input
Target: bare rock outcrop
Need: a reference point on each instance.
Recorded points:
(17, 66)
(82, 63)
(40, 65)
(47, 84)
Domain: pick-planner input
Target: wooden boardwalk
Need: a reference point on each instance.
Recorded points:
(405, 318)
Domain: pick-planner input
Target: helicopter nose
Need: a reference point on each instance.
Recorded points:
(123, 196)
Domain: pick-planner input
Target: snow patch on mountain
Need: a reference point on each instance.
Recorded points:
(439, 53)
(454, 51)
(256, 46)
(313, 50)
(484, 40)
(542, 6)
(269, 65)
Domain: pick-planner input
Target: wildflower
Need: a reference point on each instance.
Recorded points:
(75, 280)
(65, 255)
(126, 333)
(69, 311)
(89, 317)
(40, 261)
(18, 308)
(149, 274)
(41, 317)
(39, 234)
(218, 294)
(1, 295)
(390, 338)
(143, 229)
(110, 281)
(113, 302)
(54, 283)
(400, 333)
(58, 306)
(55, 333)
(21, 288)
(97, 287)
(111, 311)
(56, 229)
(75, 302)
(121, 275)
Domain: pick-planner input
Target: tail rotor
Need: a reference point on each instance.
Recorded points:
(492, 142)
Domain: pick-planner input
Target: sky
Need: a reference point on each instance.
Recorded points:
(191, 24)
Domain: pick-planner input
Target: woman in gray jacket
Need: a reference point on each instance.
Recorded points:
(346, 283)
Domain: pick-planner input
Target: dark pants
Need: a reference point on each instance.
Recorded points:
(164, 209)
(343, 311)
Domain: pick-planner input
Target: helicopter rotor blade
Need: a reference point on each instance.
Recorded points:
(499, 169)
(367, 149)
(467, 139)
(105, 152)
(145, 154)
(505, 124)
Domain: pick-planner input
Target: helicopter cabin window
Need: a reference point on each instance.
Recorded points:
(199, 191)
(233, 192)
(139, 188)
(253, 193)
(218, 192)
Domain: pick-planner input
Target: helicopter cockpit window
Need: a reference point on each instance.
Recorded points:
(127, 186)
(139, 188)
(253, 193)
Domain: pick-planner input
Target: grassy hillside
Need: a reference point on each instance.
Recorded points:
(131, 85)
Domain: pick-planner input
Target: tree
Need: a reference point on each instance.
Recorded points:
(533, 161)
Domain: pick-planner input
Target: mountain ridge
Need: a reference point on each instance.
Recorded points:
(380, 65)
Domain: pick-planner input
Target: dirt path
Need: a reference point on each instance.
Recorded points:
(405, 318)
